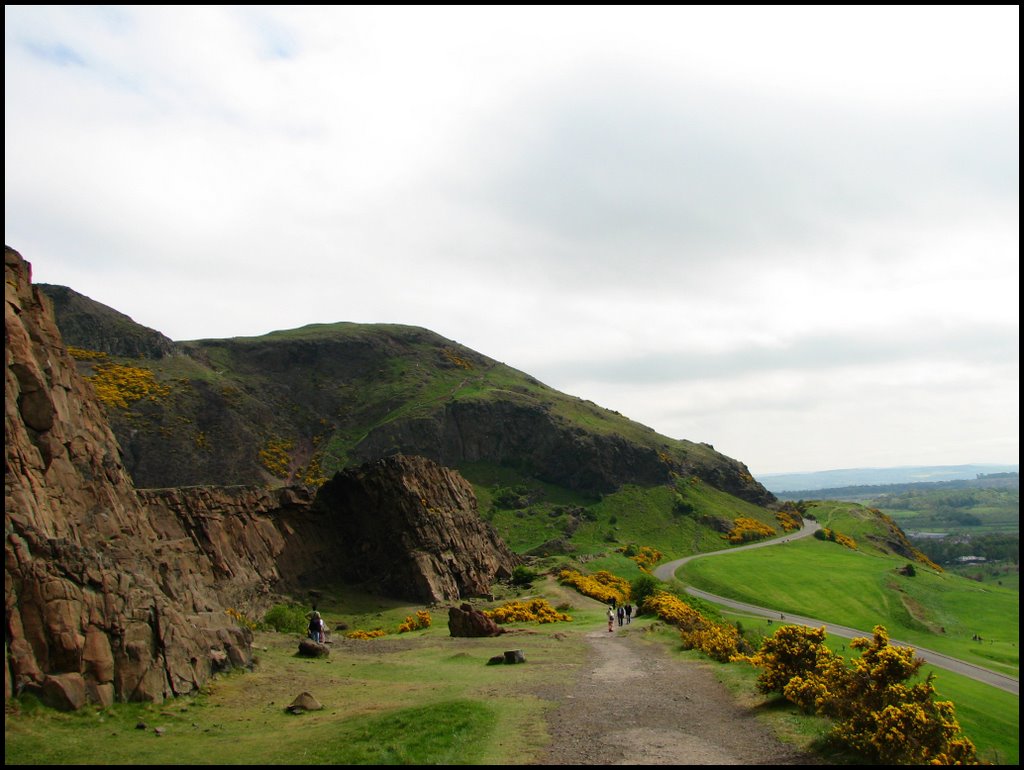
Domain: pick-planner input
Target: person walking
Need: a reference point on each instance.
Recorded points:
(317, 628)
(611, 619)
(629, 613)
(621, 613)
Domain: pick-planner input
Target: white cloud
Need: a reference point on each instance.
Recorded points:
(790, 232)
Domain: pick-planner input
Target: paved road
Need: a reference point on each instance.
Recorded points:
(667, 572)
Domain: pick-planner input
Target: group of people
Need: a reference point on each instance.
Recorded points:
(622, 613)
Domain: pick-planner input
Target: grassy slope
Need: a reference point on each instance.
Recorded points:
(634, 514)
(348, 379)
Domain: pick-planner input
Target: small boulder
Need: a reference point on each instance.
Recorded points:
(466, 621)
(304, 702)
(310, 649)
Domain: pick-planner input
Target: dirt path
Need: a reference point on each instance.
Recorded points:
(634, 705)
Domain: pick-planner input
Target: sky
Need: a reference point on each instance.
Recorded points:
(789, 232)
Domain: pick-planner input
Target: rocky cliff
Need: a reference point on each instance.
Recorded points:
(103, 600)
(113, 593)
(404, 526)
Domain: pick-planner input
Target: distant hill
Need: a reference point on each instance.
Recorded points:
(783, 483)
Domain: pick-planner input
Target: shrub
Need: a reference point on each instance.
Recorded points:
(673, 610)
(645, 556)
(874, 712)
(602, 585)
(365, 635)
(538, 610)
(523, 577)
(421, 620)
(745, 529)
(286, 618)
(117, 385)
(641, 588)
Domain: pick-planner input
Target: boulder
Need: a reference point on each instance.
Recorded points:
(311, 649)
(304, 702)
(467, 621)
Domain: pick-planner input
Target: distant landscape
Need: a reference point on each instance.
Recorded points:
(969, 525)
(787, 484)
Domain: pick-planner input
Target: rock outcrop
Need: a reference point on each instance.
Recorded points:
(403, 525)
(464, 620)
(102, 601)
(114, 594)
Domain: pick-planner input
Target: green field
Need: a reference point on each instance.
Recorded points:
(824, 580)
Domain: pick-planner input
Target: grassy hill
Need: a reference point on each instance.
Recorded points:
(295, 406)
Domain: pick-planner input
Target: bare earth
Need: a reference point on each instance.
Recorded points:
(634, 705)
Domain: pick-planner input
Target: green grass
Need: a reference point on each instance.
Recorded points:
(416, 698)
(939, 611)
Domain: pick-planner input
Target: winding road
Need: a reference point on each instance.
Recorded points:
(667, 572)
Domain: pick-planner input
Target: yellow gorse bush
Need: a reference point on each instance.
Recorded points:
(745, 529)
(719, 642)
(673, 610)
(275, 456)
(602, 585)
(117, 385)
(240, 618)
(716, 640)
(788, 520)
(538, 610)
(422, 619)
(874, 712)
(81, 354)
(645, 556)
(839, 537)
(375, 634)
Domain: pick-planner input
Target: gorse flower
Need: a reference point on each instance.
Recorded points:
(538, 610)
(602, 585)
(874, 711)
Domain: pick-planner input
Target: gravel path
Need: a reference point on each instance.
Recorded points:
(634, 705)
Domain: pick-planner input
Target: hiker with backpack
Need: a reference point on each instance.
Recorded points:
(317, 628)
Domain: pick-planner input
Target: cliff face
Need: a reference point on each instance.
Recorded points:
(526, 436)
(101, 602)
(406, 526)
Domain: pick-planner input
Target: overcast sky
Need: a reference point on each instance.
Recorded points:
(789, 232)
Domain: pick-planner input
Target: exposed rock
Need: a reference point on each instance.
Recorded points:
(514, 656)
(467, 621)
(304, 702)
(310, 649)
(407, 526)
(102, 599)
(65, 692)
